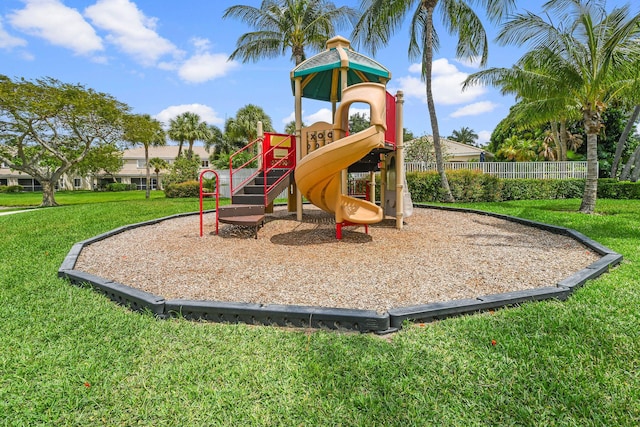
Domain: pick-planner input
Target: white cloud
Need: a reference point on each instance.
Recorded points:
(203, 67)
(7, 41)
(322, 115)
(470, 62)
(484, 136)
(415, 68)
(205, 112)
(475, 109)
(130, 30)
(58, 24)
(291, 117)
(446, 83)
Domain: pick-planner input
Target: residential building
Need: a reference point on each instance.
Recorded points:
(133, 171)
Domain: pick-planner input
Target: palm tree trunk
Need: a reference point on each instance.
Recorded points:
(592, 125)
(146, 162)
(633, 160)
(564, 140)
(635, 174)
(622, 141)
(428, 66)
(179, 149)
(556, 139)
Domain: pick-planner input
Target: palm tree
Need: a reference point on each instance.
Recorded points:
(244, 125)
(381, 18)
(158, 164)
(516, 149)
(147, 131)
(465, 135)
(287, 24)
(188, 127)
(587, 60)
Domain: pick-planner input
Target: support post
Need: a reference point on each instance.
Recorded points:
(298, 114)
(400, 169)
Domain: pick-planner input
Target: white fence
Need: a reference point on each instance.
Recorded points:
(543, 170)
(523, 170)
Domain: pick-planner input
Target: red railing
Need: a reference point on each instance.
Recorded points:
(278, 152)
(215, 193)
(274, 157)
(234, 189)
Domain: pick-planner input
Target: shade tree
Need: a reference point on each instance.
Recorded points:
(48, 127)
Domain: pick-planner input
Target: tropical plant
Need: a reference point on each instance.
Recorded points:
(48, 127)
(585, 61)
(421, 150)
(244, 126)
(623, 139)
(465, 135)
(183, 169)
(518, 149)
(290, 128)
(158, 165)
(381, 18)
(187, 127)
(142, 129)
(281, 25)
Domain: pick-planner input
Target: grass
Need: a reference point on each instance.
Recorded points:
(68, 356)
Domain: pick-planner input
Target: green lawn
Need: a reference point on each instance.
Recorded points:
(68, 356)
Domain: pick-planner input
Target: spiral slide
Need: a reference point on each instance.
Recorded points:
(318, 174)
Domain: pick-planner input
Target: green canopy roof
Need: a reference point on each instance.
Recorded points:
(321, 77)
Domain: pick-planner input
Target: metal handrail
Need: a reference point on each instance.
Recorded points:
(267, 169)
(263, 167)
(233, 188)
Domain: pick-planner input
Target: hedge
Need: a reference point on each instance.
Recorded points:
(118, 186)
(11, 188)
(182, 189)
(474, 186)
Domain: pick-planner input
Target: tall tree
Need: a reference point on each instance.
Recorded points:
(47, 127)
(158, 165)
(465, 135)
(586, 60)
(142, 129)
(623, 140)
(381, 18)
(188, 127)
(244, 126)
(281, 25)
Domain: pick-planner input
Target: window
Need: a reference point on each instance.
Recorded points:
(30, 184)
(77, 183)
(3, 165)
(141, 183)
(4, 181)
(204, 164)
(141, 163)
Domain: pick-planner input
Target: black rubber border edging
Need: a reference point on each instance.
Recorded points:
(335, 318)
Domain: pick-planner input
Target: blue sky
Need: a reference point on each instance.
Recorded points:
(167, 57)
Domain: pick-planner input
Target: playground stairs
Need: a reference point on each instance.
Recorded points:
(248, 205)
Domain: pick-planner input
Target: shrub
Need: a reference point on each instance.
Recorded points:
(119, 186)
(612, 189)
(11, 188)
(182, 189)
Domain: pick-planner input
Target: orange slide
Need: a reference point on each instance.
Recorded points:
(318, 174)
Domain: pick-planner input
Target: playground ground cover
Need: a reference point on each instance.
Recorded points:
(69, 356)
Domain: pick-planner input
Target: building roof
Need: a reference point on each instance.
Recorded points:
(167, 152)
(455, 149)
(321, 77)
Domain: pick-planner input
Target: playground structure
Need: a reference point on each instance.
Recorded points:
(319, 157)
(315, 162)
